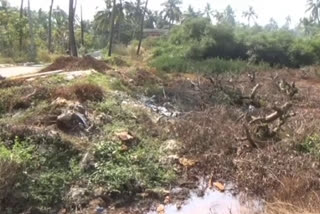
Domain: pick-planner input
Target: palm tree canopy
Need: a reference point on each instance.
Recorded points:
(208, 10)
(313, 8)
(172, 11)
(250, 14)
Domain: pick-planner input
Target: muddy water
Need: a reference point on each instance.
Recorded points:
(215, 202)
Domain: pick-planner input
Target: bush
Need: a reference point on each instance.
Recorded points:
(198, 39)
(45, 57)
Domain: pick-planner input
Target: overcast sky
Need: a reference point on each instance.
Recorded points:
(266, 9)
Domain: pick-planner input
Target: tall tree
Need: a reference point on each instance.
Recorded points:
(141, 26)
(229, 15)
(272, 26)
(288, 22)
(33, 50)
(191, 13)
(171, 11)
(82, 28)
(250, 15)
(313, 8)
(119, 19)
(208, 11)
(4, 4)
(72, 39)
(50, 28)
(21, 28)
(112, 27)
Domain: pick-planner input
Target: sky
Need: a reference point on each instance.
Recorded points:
(266, 9)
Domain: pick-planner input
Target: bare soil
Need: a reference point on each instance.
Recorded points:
(75, 64)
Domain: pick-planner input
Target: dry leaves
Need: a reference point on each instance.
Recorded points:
(187, 162)
(125, 137)
(161, 209)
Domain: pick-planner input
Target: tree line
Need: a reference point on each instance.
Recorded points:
(24, 33)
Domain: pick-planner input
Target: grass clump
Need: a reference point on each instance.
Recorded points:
(41, 171)
(311, 145)
(129, 172)
(12, 163)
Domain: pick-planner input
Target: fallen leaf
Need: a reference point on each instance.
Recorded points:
(187, 162)
(125, 137)
(219, 186)
(161, 209)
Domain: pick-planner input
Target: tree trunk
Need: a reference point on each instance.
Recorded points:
(50, 29)
(21, 30)
(33, 49)
(72, 39)
(119, 24)
(112, 27)
(141, 26)
(82, 29)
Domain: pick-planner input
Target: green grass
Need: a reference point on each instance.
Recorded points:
(311, 145)
(52, 164)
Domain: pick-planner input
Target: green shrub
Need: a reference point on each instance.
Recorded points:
(198, 39)
(311, 145)
(12, 164)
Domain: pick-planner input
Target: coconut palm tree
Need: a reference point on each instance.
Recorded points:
(250, 15)
(313, 8)
(4, 4)
(72, 39)
(288, 22)
(113, 15)
(143, 13)
(33, 50)
(21, 29)
(172, 11)
(191, 13)
(229, 15)
(208, 11)
(50, 28)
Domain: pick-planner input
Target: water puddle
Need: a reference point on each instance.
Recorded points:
(215, 202)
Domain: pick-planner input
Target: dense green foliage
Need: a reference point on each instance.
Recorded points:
(199, 39)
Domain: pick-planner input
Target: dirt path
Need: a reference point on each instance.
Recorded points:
(19, 70)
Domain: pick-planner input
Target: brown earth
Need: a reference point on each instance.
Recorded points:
(75, 64)
(212, 131)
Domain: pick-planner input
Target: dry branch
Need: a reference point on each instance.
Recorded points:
(279, 112)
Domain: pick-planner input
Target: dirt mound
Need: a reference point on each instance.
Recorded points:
(74, 64)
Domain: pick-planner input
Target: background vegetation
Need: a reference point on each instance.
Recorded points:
(194, 35)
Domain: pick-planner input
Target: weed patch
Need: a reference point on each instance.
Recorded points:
(311, 145)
